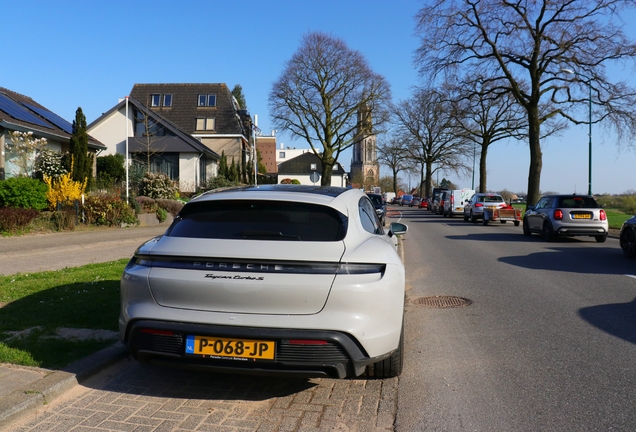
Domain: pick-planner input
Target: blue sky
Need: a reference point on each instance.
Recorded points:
(69, 54)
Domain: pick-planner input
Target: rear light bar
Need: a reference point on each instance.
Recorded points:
(603, 215)
(244, 266)
(479, 205)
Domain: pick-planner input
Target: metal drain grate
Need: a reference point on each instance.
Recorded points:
(442, 302)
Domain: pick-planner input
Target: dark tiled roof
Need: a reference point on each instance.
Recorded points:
(39, 129)
(302, 165)
(185, 110)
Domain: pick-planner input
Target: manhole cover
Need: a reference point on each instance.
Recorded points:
(441, 302)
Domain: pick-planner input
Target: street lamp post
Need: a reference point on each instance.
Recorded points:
(473, 188)
(589, 85)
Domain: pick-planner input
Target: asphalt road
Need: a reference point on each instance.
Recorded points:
(548, 343)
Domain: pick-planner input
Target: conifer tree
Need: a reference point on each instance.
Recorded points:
(81, 161)
(223, 173)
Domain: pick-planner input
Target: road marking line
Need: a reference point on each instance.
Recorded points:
(631, 276)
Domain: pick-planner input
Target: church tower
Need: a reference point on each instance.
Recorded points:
(365, 167)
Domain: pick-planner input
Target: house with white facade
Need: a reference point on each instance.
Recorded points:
(130, 128)
(307, 169)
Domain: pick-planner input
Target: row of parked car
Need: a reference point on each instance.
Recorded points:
(553, 216)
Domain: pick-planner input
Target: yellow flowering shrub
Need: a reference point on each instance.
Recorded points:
(63, 190)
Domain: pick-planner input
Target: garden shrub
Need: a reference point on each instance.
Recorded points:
(65, 219)
(63, 190)
(108, 210)
(110, 168)
(14, 218)
(219, 182)
(23, 192)
(146, 204)
(48, 162)
(162, 214)
(157, 185)
(171, 206)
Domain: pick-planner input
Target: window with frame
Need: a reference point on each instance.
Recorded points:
(281, 155)
(207, 100)
(165, 163)
(155, 100)
(205, 124)
(167, 100)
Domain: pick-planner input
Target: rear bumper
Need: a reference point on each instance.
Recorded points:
(163, 343)
(580, 231)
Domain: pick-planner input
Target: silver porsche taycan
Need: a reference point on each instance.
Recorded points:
(271, 279)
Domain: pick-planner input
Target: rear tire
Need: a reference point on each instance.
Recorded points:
(516, 223)
(548, 233)
(391, 366)
(526, 228)
(600, 238)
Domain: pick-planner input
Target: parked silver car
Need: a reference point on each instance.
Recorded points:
(288, 279)
(566, 215)
(474, 207)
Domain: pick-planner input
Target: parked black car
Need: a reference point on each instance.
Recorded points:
(628, 237)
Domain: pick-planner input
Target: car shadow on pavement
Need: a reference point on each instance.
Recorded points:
(618, 319)
(585, 260)
(157, 381)
(490, 237)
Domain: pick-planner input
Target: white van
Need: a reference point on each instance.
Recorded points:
(455, 200)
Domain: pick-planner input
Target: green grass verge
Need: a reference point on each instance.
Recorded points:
(84, 297)
(616, 218)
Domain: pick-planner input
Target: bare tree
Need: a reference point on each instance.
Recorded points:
(433, 140)
(149, 134)
(319, 94)
(484, 118)
(526, 46)
(392, 153)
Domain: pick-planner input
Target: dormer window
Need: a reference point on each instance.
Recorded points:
(155, 100)
(207, 100)
(205, 124)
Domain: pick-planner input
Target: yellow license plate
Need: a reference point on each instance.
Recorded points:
(581, 216)
(230, 348)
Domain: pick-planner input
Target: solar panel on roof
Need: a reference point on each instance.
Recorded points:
(52, 117)
(18, 112)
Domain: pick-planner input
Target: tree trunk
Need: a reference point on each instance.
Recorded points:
(536, 156)
(482, 168)
(429, 178)
(327, 169)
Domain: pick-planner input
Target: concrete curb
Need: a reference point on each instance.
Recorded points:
(27, 400)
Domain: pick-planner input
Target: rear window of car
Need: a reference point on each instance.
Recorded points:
(577, 202)
(491, 198)
(259, 220)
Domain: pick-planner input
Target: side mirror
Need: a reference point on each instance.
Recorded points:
(530, 207)
(397, 228)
